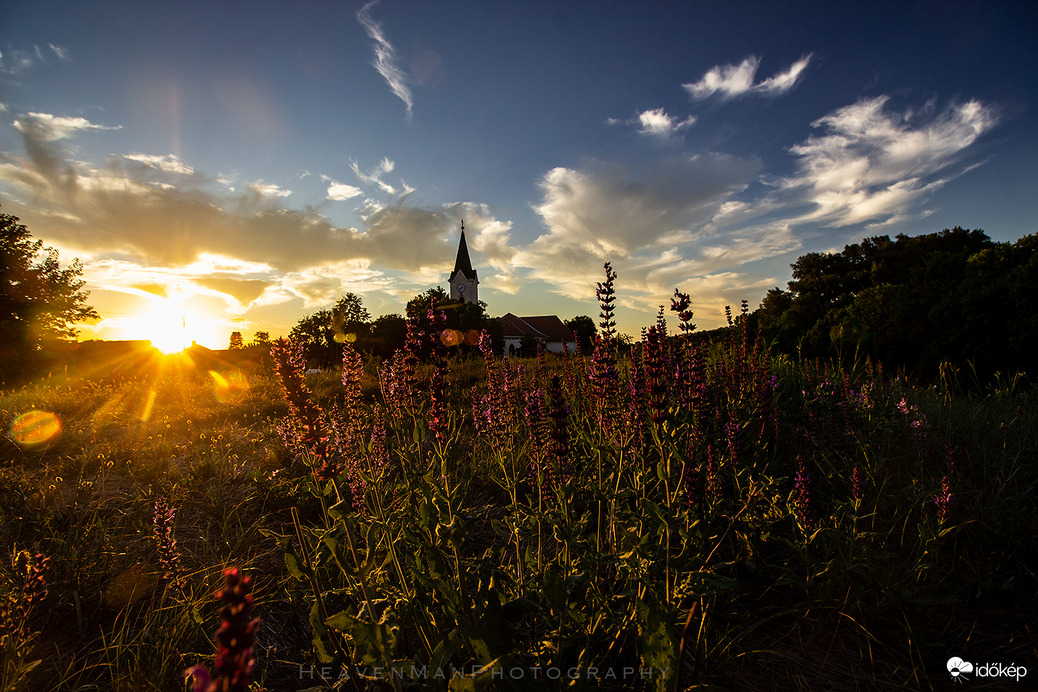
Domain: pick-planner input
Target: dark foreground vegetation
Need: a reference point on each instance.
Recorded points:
(683, 515)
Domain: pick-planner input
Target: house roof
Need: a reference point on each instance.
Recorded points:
(547, 327)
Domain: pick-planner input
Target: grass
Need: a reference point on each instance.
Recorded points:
(708, 529)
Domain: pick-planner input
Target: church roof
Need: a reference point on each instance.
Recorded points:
(463, 263)
(547, 327)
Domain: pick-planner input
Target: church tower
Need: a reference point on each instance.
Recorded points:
(463, 279)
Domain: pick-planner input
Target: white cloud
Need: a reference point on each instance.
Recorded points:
(657, 123)
(340, 192)
(873, 164)
(375, 176)
(649, 223)
(169, 163)
(730, 81)
(45, 127)
(386, 58)
(269, 189)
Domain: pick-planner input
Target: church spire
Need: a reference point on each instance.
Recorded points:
(463, 280)
(463, 263)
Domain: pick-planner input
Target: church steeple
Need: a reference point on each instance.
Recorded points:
(463, 279)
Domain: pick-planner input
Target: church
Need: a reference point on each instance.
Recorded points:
(548, 329)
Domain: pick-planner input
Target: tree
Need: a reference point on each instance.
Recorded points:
(260, 339)
(39, 301)
(324, 332)
(583, 327)
(236, 342)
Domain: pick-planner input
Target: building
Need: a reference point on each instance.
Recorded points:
(517, 331)
(545, 328)
(463, 281)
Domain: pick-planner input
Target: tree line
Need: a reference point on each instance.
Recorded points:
(953, 303)
(953, 300)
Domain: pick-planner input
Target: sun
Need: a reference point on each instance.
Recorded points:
(165, 329)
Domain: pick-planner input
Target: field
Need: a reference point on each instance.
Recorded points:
(673, 516)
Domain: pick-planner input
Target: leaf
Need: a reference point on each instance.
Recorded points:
(319, 632)
(374, 642)
(480, 681)
(445, 649)
(655, 644)
(295, 568)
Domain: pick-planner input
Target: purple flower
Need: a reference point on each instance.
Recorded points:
(235, 639)
(802, 490)
(606, 295)
(165, 543)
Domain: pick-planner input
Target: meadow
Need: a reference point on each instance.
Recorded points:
(676, 515)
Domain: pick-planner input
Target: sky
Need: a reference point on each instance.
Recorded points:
(234, 166)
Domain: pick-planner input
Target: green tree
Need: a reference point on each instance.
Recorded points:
(236, 341)
(324, 332)
(39, 301)
(584, 328)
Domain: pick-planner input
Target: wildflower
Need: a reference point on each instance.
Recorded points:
(713, 480)
(30, 588)
(558, 446)
(655, 375)
(235, 639)
(606, 295)
(604, 382)
(802, 490)
(306, 429)
(165, 543)
(944, 499)
(857, 484)
(681, 303)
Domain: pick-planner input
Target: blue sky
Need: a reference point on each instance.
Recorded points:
(236, 165)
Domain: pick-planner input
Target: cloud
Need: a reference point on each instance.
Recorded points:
(872, 164)
(340, 192)
(244, 291)
(375, 176)
(168, 163)
(731, 81)
(17, 61)
(386, 58)
(658, 124)
(45, 127)
(269, 189)
(650, 223)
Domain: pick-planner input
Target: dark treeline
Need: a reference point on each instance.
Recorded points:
(914, 303)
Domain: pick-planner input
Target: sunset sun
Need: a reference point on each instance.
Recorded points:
(167, 331)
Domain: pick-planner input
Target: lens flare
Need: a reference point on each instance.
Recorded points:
(451, 337)
(472, 338)
(347, 338)
(35, 429)
(230, 387)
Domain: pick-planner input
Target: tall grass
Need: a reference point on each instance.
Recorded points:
(664, 518)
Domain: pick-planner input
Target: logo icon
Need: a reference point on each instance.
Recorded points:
(958, 668)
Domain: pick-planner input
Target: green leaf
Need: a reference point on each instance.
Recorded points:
(295, 567)
(478, 682)
(374, 642)
(655, 643)
(319, 632)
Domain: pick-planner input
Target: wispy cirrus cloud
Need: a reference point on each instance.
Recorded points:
(374, 176)
(731, 81)
(386, 61)
(873, 165)
(19, 60)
